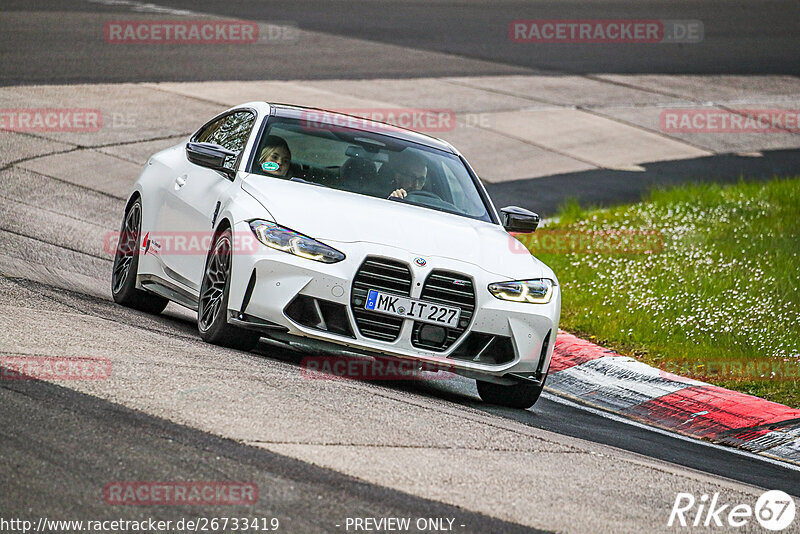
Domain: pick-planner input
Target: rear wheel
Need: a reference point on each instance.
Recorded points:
(212, 309)
(126, 266)
(513, 396)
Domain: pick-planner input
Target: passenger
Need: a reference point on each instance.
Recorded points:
(410, 174)
(275, 152)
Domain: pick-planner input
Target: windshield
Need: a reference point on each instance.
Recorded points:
(367, 163)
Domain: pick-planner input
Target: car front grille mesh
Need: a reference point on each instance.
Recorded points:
(450, 289)
(387, 276)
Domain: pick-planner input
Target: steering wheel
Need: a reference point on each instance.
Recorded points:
(432, 200)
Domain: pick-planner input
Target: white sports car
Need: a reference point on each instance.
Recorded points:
(352, 236)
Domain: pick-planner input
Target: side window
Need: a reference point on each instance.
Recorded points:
(230, 131)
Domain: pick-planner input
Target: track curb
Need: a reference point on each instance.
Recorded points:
(598, 377)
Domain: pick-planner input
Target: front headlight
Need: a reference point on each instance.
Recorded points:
(280, 238)
(538, 291)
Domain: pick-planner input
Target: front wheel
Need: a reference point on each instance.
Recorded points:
(126, 266)
(212, 309)
(514, 396)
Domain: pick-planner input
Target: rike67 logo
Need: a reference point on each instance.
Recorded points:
(774, 510)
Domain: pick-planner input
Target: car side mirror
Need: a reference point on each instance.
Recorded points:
(518, 220)
(211, 156)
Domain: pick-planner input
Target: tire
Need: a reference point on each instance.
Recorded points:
(126, 266)
(514, 396)
(212, 308)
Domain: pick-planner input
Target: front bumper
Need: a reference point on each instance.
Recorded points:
(267, 281)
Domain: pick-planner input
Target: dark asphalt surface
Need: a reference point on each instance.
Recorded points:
(568, 420)
(52, 41)
(740, 36)
(61, 447)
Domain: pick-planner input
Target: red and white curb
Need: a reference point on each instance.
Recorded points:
(593, 375)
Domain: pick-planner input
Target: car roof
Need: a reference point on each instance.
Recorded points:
(296, 112)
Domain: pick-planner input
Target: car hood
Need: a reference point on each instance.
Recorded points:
(330, 215)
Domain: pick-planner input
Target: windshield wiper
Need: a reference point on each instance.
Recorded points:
(301, 181)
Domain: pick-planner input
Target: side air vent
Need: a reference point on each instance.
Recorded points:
(320, 314)
(543, 354)
(485, 348)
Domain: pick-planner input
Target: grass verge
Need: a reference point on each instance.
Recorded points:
(700, 280)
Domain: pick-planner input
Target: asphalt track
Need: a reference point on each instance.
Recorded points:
(60, 446)
(59, 471)
(740, 36)
(53, 41)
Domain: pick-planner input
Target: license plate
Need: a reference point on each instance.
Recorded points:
(419, 310)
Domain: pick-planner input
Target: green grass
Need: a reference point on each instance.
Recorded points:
(724, 290)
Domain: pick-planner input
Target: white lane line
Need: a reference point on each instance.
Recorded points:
(142, 7)
(620, 419)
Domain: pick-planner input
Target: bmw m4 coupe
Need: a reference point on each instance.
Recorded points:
(345, 235)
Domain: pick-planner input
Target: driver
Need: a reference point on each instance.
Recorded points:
(275, 157)
(410, 174)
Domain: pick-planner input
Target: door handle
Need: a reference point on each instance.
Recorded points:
(180, 181)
